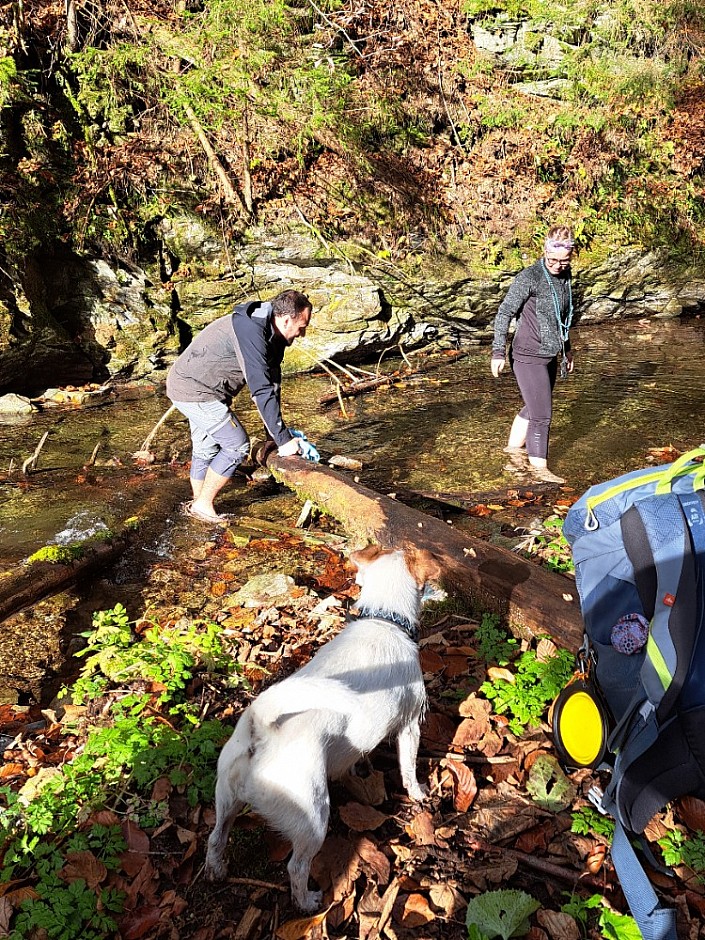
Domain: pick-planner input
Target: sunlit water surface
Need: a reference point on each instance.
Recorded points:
(636, 386)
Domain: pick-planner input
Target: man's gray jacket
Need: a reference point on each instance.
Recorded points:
(241, 348)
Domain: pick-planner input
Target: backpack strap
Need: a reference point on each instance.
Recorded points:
(654, 922)
(657, 538)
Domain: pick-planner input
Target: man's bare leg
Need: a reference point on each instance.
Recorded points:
(207, 492)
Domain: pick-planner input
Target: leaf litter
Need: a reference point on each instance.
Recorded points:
(498, 815)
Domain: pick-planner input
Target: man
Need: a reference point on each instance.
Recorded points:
(245, 347)
(540, 298)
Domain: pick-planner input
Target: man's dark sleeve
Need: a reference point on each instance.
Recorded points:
(251, 344)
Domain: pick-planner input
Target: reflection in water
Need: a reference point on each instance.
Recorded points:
(635, 386)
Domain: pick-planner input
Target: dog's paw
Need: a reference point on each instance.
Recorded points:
(417, 792)
(309, 901)
(215, 869)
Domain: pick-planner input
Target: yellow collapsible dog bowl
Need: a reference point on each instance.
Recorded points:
(580, 727)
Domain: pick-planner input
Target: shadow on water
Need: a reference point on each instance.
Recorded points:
(636, 386)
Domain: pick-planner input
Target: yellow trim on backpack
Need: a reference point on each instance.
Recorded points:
(663, 478)
(658, 662)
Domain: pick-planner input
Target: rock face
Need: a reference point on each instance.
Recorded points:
(351, 317)
(76, 320)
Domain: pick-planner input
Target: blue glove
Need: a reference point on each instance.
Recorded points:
(307, 450)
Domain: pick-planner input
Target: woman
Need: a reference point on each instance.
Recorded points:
(540, 298)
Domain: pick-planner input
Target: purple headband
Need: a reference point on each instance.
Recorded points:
(551, 244)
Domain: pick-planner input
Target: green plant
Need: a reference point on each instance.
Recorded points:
(167, 656)
(500, 914)
(62, 903)
(46, 840)
(550, 546)
(680, 849)
(493, 643)
(588, 821)
(581, 909)
(612, 925)
(535, 684)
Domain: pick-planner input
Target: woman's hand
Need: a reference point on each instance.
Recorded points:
(497, 366)
(569, 362)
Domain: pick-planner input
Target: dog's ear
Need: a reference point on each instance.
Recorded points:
(365, 556)
(423, 565)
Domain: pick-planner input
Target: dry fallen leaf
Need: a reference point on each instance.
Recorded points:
(416, 911)
(692, 812)
(558, 926)
(369, 789)
(499, 672)
(359, 817)
(464, 785)
(447, 899)
(301, 927)
(374, 860)
(421, 828)
(83, 865)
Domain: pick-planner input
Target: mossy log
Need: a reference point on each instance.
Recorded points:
(26, 584)
(533, 600)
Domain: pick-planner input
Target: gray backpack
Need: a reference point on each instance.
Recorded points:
(638, 544)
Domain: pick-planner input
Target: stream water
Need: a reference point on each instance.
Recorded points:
(636, 386)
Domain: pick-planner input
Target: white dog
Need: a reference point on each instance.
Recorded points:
(363, 686)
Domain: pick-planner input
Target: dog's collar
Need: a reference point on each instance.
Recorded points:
(411, 629)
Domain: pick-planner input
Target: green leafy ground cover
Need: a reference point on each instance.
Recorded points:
(105, 811)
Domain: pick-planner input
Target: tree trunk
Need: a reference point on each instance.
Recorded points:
(71, 26)
(534, 601)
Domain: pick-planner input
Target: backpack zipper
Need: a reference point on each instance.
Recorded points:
(592, 502)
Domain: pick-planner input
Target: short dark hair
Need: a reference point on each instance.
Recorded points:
(291, 303)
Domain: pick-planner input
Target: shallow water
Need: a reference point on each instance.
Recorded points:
(636, 386)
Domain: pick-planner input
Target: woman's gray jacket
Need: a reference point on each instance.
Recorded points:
(531, 289)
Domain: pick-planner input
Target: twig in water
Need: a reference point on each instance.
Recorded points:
(144, 452)
(342, 369)
(365, 372)
(405, 357)
(340, 399)
(91, 459)
(30, 463)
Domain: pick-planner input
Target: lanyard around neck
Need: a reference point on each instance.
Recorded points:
(564, 327)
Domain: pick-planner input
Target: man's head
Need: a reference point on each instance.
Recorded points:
(292, 312)
(558, 248)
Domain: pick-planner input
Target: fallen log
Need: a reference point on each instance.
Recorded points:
(27, 584)
(534, 600)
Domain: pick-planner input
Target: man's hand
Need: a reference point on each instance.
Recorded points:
(497, 366)
(290, 449)
(309, 451)
(569, 362)
(299, 444)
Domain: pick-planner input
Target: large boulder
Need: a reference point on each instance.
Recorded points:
(351, 317)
